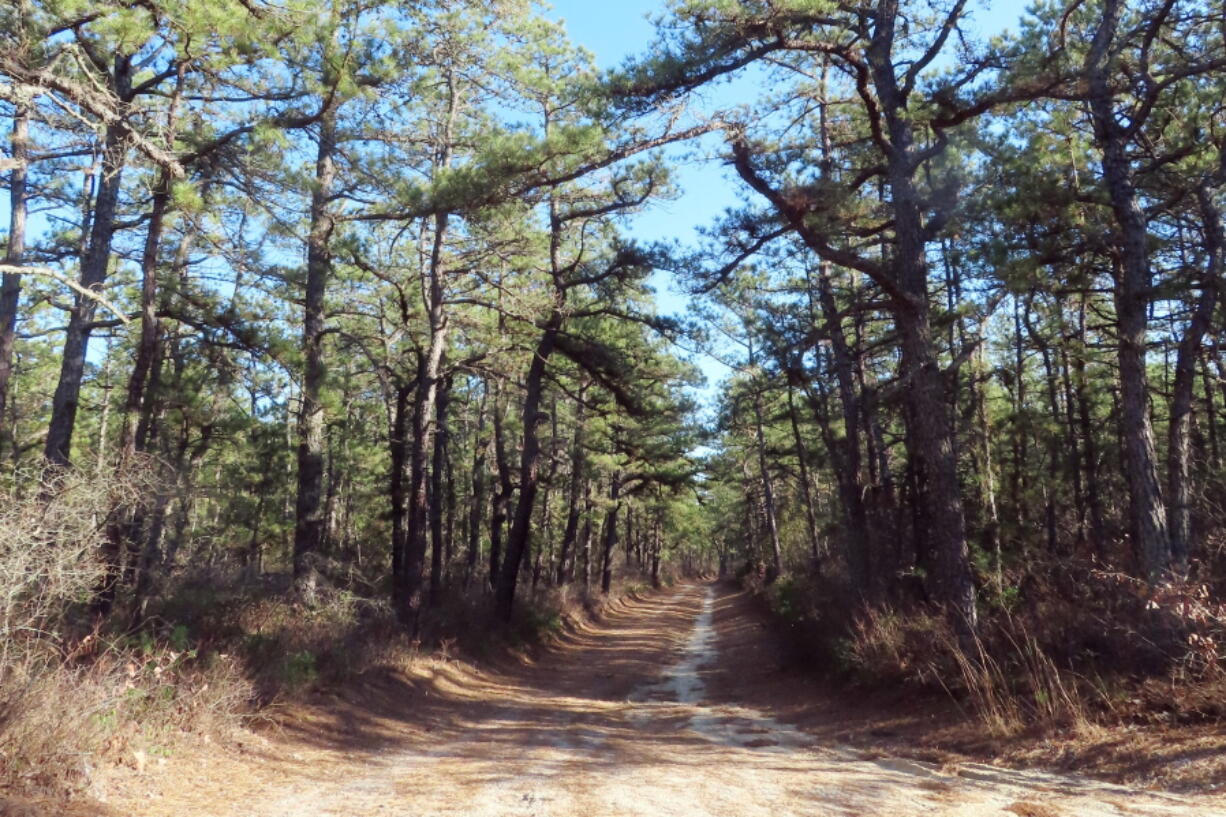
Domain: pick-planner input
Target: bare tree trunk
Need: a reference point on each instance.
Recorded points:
(585, 539)
(768, 491)
(578, 483)
(1178, 456)
(308, 508)
(1132, 294)
(147, 344)
(656, 547)
(478, 494)
(14, 254)
(503, 496)
(630, 530)
(1021, 428)
(410, 600)
(806, 488)
(1211, 417)
(437, 492)
(849, 463)
(95, 264)
(127, 532)
(610, 533)
(1051, 491)
(1085, 421)
(942, 537)
(987, 476)
(1072, 454)
(529, 468)
(399, 446)
(187, 500)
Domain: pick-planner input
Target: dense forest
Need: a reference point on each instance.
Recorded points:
(339, 302)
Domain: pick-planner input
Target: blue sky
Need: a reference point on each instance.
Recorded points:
(614, 31)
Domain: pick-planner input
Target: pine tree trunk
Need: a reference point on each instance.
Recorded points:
(308, 507)
(930, 443)
(95, 264)
(585, 538)
(610, 533)
(477, 503)
(656, 547)
(1211, 414)
(529, 469)
(806, 487)
(1132, 295)
(14, 255)
(1051, 491)
(578, 485)
(860, 544)
(768, 491)
(1179, 432)
(503, 496)
(420, 444)
(437, 490)
(127, 531)
(398, 444)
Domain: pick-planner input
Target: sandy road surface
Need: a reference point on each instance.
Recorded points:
(617, 722)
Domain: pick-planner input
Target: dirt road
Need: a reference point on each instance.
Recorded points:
(630, 717)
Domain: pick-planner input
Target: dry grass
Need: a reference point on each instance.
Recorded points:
(1076, 651)
(1009, 681)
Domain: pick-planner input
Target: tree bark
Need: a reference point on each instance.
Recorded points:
(849, 464)
(477, 503)
(806, 486)
(578, 484)
(1179, 511)
(529, 469)
(930, 442)
(437, 490)
(308, 507)
(656, 547)
(1051, 491)
(1132, 295)
(768, 489)
(95, 263)
(585, 538)
(429, 369)
(610, 533)
(502, 497)
(14, 255)
(398, 444)
(1085, 422)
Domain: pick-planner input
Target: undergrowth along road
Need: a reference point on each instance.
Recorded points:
(629, 715)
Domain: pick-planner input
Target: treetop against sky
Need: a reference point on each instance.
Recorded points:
(614, 32)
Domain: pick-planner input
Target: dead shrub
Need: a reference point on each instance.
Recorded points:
(72, 694)
(52, 526)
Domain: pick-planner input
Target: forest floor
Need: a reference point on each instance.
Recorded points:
(671, 704)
